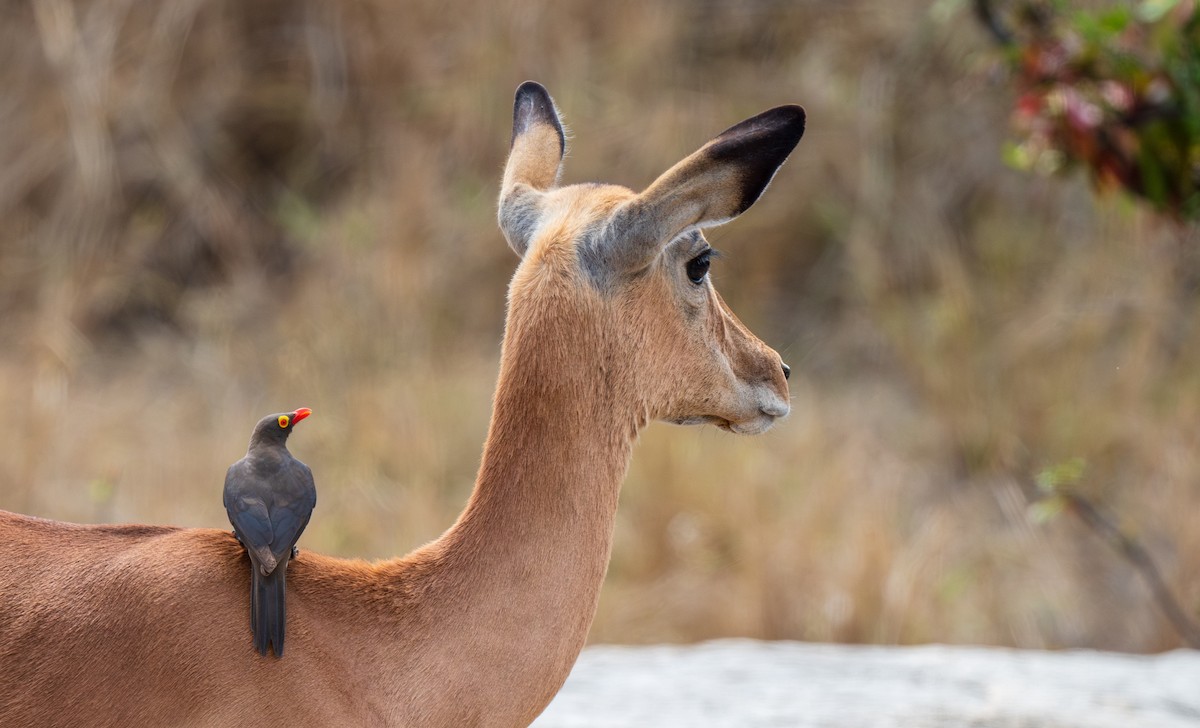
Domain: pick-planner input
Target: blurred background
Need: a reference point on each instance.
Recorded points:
(216, 209)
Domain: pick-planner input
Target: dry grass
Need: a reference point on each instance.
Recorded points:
(215, 212)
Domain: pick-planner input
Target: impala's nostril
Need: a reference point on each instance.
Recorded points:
(787, 371)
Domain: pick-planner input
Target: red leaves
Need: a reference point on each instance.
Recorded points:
(1116, 92)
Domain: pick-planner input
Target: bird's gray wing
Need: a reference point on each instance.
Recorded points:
(249, 516)
(295, 497)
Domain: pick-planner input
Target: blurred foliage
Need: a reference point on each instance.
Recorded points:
(1058, 487)
(216, 209)
(1061, 475)
(1051, 483)
(1113, 88)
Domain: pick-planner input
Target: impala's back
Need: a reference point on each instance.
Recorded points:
(147, 626)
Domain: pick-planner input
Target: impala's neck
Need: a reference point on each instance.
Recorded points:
(546, 496)
(517, 577)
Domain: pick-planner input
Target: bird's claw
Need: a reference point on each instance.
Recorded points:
(295, 552)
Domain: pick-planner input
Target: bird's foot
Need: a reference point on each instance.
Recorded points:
(239, 538)
(295, 552)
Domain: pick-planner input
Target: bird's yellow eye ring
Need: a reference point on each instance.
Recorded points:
(283, 421)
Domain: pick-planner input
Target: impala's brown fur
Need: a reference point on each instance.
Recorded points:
(146, 625)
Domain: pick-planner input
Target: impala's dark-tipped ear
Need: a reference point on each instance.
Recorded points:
(714, 185)
(532, 107)
(757, 147)
(534, 163)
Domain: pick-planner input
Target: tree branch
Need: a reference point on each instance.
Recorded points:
(1139, 557)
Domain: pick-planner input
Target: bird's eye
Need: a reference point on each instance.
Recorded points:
(697, 267)
(283, 421)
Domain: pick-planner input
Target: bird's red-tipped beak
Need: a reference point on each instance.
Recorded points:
(300, 414)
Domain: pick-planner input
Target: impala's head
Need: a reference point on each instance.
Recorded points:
(632, 268)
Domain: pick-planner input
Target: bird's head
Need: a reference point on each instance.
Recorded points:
(277, 427)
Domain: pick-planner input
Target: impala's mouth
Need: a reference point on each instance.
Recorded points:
(752, 426)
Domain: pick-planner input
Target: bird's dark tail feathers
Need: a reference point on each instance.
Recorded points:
(268, 608)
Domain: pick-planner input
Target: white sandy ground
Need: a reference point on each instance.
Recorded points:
(748, 684)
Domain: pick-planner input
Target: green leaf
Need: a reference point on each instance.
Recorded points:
(1152, 11)
(1101, 28)
(101, 490)
(1046, 509)
(1017, 156)
(1153, 176)
(1061, 475)
(1115, 20)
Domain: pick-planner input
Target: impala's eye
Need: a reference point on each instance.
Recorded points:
(697, 267)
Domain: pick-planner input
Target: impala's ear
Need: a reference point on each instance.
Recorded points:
(534, 163)
(713, 185)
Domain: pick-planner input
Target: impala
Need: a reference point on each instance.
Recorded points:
(612, 322)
